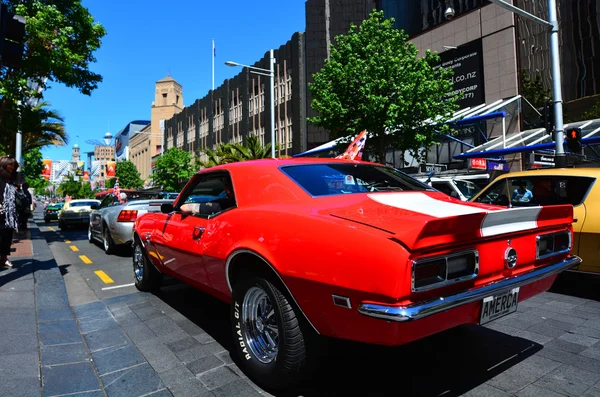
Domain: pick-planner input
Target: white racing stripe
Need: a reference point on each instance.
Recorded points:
(509, 221)
(423, 204)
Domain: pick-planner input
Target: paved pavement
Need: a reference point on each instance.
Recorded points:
(120, 342)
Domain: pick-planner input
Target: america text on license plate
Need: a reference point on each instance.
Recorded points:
(496, 306)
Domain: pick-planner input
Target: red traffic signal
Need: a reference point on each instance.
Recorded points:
(574, 139)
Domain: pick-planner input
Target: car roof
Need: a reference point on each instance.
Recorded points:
(593, 172)
(277, 162)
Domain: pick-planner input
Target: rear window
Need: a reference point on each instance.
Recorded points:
(343, 178)
(83, 204)
(537, 190)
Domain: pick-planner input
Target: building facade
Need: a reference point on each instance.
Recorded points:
(241, 107)
(102, 154)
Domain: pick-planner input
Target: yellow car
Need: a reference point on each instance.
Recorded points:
(576, 186)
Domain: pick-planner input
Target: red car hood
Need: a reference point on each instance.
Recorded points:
(423, 219)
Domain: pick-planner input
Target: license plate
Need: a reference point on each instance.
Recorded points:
(497, 306)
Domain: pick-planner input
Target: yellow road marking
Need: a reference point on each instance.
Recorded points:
(75, 249)
(104, 277)
(51, 228)
(85, 259)
(68, 241)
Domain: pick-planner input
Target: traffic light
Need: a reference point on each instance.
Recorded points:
(12, 38)
(574, 139)
(549, 117)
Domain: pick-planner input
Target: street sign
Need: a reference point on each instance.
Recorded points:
(478, 163)
(432, 168)
(542, 159)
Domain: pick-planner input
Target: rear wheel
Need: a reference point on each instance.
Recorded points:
(107, 242)
(268, 334)
(62, 225)
(146, 277)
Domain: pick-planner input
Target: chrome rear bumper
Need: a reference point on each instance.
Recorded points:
(424, 309)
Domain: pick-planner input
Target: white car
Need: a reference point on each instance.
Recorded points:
(76, 213)
(462, 187)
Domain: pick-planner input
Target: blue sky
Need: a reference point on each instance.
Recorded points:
(146, 39)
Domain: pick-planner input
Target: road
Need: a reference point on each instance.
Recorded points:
(550, 347)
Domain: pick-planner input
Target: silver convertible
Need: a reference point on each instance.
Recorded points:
(111, 222)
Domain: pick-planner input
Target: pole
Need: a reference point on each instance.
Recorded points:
(561, 159)
(272, 70)
(19, 140)
(213, 64)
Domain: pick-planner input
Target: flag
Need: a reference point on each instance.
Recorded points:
(116, 189)
(355, 150)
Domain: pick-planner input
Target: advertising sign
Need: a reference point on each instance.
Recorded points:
(437, 168)
(79, 170)
(46, 169)
(543, 159)
(467, 63)
(111, 169)
(86, 176)
(478, 164)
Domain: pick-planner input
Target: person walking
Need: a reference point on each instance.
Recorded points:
(8, 212)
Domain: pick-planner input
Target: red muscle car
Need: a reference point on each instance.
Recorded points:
(346, 249)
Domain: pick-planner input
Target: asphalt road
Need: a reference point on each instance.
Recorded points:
(549, 347)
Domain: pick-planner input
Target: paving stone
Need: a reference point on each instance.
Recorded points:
(134, 381)
(558, 385)
(20, 387)
(190, 327)
(158, 355)
(593, 323)
(59, 332)
(166, 329)
(565, 318)
(22, 365)
(517, 323)
(64, 354)
(117, 358)
(562, 325)
(214, 347)
(204, 364)
(123, 311)
(241, 388)
(183, 344)
(592, 392)
(536, 391)
(505, 329)
(89, 308)
(15, 300)
(55, 313)
(97, 324)
(564, 305)
(592, 352)
(566, 346)
(193, 353)
(135, 298)
(69, 378)
(546, 330)
(518, 377)
(204, 338)
(579, 339)
(535, 316)
(105, 338)
(218, 377)
(485, 390)
(160, 393)
(14, 342)
(191, 387)
(586, 363)
(587, 331)
(175, 375)
(237, 371)
(129, 321)
(583, 314)
(147, 312)
(571, 373)
(532, 336)
(139, 333)
(18, 322)
(225, 356)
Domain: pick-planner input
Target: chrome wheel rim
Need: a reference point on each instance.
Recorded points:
(260, 325)
(90, 233)
(138, 263)
(105, 239)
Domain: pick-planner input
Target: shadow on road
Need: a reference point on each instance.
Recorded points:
(581, 285)
(449, 363)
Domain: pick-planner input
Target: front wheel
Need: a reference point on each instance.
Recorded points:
(267, 333)
(90, 235)
(107, 242)
(146, 277)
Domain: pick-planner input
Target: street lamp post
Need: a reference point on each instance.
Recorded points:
(561, 160)
(271, 73)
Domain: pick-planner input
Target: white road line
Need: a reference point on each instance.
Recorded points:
(118, 286)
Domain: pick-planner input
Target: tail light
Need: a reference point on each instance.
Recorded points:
(127, 216)
(553, 244)
(435, 272)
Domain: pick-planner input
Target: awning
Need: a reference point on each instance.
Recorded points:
(462, 117)
(531, 140)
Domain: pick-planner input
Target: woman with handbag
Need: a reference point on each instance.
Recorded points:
(8, 211)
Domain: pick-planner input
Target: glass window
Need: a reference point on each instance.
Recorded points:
(82, 204)
(209, 195)
(444, 187)
(467, 188)
(333, 179)
(538, 190)
(106, 201)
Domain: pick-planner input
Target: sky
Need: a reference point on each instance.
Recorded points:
(146, 40)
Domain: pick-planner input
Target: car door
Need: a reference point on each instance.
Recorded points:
(186, 232)
(96, 215)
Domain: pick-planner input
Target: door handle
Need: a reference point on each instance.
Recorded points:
(197, 233)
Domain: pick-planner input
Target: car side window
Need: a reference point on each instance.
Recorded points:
(211, 194)
(106, 201)
(496, 194)
(444, 187)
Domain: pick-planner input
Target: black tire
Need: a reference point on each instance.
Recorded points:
(90, 235)
(107, 241)
(290, 364)
(145, 275)
(61, 225)
(46, 220)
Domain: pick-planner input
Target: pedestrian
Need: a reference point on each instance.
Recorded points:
(23, 204)
(8, 211)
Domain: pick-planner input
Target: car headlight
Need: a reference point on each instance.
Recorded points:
(438, 271)
(551, 244)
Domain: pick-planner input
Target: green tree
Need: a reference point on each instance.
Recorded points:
(250, 149)
(85, 191)
(70, 187)
(374, 80)
(61, 37)
(172, 170)
(110, 183)
(213, 158)
(533, 89)
(32, 170)
(40, 126)
(128, 175)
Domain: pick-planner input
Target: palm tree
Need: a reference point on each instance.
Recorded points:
(214, 158)
(40, 125)
(251, 149)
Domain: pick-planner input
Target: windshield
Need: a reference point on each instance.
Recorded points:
(83, 204)
(467, 188)
(344, 178)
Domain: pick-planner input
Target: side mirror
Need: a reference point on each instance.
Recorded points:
(95, 206)
(166, 208)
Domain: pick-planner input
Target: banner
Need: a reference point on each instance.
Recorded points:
(86, 176)
(80, 167)
(355, 150)
(47, 169)
(111, 169)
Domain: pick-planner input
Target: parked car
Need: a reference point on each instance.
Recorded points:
(575, 186)
(51, 211)
(111, 221)
(345, 249)
(76, 213)
(454, 186)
